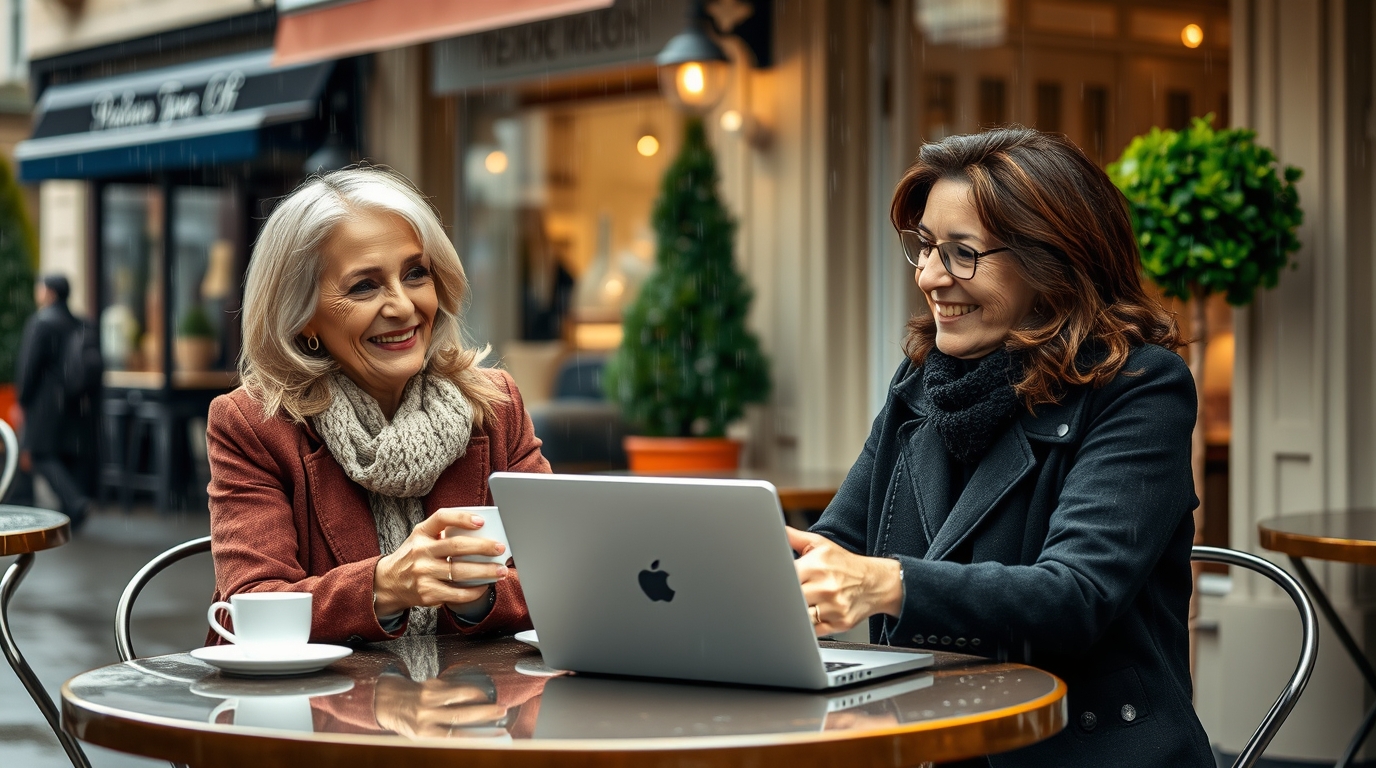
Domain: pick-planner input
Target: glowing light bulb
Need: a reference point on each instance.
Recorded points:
(1192, 35)
(731, 121)
(647, 146)
(614, 288)
(495, 162)
(692, 77)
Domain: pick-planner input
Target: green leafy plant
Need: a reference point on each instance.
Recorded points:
(18, 258)
(195, 324)
(1212, 210)
(687, 365)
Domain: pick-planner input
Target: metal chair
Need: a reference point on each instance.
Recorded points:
(124, 644)
(1309, 644)
(9, 582)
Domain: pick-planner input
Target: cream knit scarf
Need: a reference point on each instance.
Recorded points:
(397, 462)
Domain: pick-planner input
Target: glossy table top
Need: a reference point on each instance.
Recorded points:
(29, 529)
(414, 701)
(1346, 535)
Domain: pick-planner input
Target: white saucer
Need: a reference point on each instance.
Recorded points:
(528, 637)
(299, 660)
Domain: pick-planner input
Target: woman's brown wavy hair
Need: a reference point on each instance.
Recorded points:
(1071, 240)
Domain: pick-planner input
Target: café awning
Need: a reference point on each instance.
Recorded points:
(204, 113)
(314, 30)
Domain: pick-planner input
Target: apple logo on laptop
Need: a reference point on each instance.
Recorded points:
(655, 583)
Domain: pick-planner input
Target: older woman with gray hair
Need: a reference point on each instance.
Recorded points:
(362, 421)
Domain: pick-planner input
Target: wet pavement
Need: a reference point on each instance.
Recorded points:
(63, 618)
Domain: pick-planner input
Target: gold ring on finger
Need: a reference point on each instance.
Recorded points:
(450, 563)
(816, 614)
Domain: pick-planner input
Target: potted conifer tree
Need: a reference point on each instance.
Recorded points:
(687, 364)
(18, 259)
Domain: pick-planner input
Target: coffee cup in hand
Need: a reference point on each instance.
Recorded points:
(265, 621)
(491, 529)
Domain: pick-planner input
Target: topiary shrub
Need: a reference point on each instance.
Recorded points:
(1213, 211)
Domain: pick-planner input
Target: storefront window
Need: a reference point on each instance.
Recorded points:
(203, 276)
(131, 320)
(556, 235)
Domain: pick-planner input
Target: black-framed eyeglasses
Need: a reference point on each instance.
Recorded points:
(959, 259)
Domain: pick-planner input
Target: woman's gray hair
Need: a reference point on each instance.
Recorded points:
(282, 289)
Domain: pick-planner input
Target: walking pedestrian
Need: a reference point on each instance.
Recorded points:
(51, 438)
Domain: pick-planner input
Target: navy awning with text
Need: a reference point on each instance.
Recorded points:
(206, 113)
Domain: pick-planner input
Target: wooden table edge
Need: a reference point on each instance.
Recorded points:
(35, 539)
(177, 740)
(1319, 547)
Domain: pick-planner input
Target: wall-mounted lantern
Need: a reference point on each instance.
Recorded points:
(694, 71)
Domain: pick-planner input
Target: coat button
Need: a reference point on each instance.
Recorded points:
(960, 642)
(1129, 713)
(1062, 430)
(1088, 721)
(975, 642)
(918, 639)
(355, 639)
(931, 639)
(946, 640)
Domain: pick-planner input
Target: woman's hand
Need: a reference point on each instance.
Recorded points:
(432, 709)
(419, 573)
(843, 589)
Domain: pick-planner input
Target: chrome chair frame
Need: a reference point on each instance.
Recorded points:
(124, 643)
(1309, 644)
(124, 609)
(8, 584)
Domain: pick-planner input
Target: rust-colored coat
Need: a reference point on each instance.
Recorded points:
(284, 517)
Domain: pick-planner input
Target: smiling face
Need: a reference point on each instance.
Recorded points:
(377, 304)
(973, 317)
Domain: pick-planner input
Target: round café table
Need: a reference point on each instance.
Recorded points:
(24, 531)
(422, 702)
(1343, 536)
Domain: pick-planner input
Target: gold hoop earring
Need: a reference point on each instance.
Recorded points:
(313, 343)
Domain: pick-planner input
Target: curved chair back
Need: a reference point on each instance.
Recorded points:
(123, 610)
(11, 457)
(1309, 644)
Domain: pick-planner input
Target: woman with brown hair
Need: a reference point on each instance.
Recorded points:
(1025, 493)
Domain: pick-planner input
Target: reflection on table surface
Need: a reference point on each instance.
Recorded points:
(1358, 525)
(423, 688)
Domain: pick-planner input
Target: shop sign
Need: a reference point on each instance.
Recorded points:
(630, 31)
(197, 96)
(170, 103)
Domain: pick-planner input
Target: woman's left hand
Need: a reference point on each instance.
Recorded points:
(843, 589)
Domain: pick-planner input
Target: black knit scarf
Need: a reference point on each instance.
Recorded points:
(971, 408)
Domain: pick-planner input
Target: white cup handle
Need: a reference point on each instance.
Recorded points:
(226, 705)
(215, 625)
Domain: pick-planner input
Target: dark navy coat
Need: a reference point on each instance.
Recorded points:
(1069, 549)
(49, 429)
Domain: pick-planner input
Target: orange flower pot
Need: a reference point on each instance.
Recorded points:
(676, 454)
(7, 403)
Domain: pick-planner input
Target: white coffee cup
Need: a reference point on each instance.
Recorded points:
(283, 713)
(265, 619)
(492, 529)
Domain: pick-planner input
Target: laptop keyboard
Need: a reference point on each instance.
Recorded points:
(832, 666)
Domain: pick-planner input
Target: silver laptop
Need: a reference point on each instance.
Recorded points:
(677, 578)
